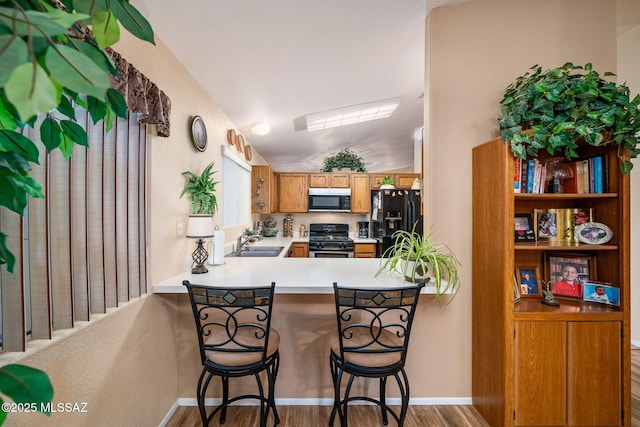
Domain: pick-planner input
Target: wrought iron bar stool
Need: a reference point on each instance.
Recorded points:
(373, 336)
(236, 340)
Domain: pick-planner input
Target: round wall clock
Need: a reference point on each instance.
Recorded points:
(198, 133)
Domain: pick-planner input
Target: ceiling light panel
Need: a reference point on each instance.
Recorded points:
(353, 114)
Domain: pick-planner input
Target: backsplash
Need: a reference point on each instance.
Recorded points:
(312, 218)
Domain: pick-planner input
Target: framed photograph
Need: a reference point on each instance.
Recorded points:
(559, 224)
(523, 231)
(516, 290)
(546, 224)
(593, 233)
(528, 282)
(600, 292)
(567, 273)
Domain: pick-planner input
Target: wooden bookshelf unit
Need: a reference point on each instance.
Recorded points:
(535, 364)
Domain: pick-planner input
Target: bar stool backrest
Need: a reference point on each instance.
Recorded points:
(232, 320)
(375, 320)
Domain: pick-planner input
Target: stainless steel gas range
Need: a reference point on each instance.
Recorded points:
(330, 241)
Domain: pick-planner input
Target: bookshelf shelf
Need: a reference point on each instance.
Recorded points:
(556, 246)
(565, 196)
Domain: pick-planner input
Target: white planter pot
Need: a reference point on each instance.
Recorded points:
(414, 273)
(387, 187)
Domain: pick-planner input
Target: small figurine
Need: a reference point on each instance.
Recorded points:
(548, 297)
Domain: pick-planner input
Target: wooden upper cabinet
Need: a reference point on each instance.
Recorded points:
(293, 192)
(405, 180)
(360, 193)
(264, 195)
(329, 180)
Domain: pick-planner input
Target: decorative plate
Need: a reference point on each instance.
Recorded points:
(593, 233)
(240, 143)
(198, 133)
(247, 152)
(231, 136)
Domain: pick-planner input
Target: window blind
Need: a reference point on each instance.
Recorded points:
(82, 249)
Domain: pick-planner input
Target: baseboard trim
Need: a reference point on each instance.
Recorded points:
(172, 411)
(189, 401)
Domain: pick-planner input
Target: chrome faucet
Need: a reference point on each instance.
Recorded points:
(240, 243)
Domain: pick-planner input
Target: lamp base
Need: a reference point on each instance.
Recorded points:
(199, 269)
(200, 255)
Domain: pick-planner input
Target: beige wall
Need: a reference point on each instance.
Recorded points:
(629, 72)
(122, 365)
(473, 51)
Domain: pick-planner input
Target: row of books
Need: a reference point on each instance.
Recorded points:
(589, 176)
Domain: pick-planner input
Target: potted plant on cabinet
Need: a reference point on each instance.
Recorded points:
(386, 183)
(201, 189)
(419, 258)
(561, 107)
(344, 159)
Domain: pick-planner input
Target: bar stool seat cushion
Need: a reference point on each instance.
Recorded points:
(246, 336)
(364, 338)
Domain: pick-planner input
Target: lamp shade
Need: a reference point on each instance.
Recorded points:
(200, 226)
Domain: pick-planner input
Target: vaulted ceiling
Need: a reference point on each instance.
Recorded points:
(276, 61)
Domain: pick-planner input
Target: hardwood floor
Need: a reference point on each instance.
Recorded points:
(635, 387)
(359, 415)
(366, 416)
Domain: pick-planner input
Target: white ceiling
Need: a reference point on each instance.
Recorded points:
(276, 61)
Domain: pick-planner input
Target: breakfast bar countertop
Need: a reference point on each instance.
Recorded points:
(292, 275)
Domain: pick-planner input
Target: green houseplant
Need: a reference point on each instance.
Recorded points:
(344, 159)
(419, 258)
(561, 107)
(201, 189)
(387, 180)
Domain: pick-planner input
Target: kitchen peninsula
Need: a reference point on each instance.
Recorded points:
(291, 275)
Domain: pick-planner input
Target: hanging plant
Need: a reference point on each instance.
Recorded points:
(345, 159)
(566, 105)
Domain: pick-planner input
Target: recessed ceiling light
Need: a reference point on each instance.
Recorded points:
(353, 114)
(261, 128)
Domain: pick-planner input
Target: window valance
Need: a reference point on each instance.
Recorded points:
(142, 95)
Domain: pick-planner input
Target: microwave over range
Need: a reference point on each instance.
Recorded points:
(329, 200)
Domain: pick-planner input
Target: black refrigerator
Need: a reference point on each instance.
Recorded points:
(393, 210)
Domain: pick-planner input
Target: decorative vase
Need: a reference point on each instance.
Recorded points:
(387, 187)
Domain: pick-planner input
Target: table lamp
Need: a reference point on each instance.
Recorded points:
(200, 227)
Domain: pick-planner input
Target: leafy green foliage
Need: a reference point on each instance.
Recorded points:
(387, 180)
(415, 255)
(344, 159)
(566, 105)
(45, 68)
(25, 385)
(201, 189)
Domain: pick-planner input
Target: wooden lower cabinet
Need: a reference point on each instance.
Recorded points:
(299, 250)
(568, 373)
(364, 250)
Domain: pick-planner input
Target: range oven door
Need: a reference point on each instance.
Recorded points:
(330, 254)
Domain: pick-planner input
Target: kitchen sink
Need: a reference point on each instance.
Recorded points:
(258, 251)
